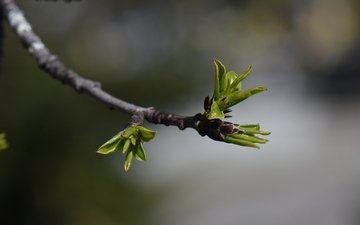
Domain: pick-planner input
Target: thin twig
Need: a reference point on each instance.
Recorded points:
(51, 63)
(57, 70)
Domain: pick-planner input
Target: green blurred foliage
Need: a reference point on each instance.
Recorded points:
(3, 143)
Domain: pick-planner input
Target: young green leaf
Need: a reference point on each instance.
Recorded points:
(146, 134)
(140, 153)
(128, 158)
(215, 112)
(220, 79)
(236, 85)
(253, 139)
(133, 140)
(251, 131)
(111, 145)
(238, 97)
(130, 131)
(231, 76)
(254, 126)
(126, 145)
(241, 142)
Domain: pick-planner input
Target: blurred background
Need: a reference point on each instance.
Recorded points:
(160, 53)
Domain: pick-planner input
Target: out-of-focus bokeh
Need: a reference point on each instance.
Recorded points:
(160, 53)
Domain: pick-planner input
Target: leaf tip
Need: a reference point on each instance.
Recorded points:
(100, 152)
(127, 165)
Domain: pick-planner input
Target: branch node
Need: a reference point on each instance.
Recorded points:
(137, 118)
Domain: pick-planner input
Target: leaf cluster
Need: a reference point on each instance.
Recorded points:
(227, 93)
(131, 142)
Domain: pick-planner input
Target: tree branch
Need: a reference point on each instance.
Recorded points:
(57, 70)
(226, 94)
(51, 63)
